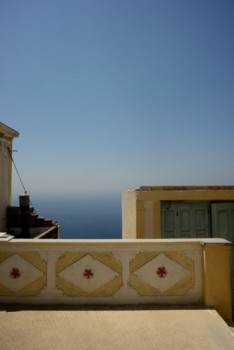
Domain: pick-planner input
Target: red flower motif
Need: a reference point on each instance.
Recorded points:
(15, 273)
(161, 271)
(88, 273)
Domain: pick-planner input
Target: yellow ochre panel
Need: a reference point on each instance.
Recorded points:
(106, 258)
(33, 288)
(143, 288)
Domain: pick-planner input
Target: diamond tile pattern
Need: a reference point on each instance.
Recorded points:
(175, 272)
(101, 274)
(28, 273)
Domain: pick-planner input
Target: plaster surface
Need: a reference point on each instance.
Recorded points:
(6, 136)
(106, 328)
(80, 274)
(148, 272)
(107, 262)
(26, 272)
(116, 272)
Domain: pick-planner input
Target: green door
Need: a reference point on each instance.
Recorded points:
(185, 220)
(223, 220)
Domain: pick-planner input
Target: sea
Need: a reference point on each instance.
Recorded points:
(82, 216)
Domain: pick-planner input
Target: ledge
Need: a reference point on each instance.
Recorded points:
(184, 188)
(197, 241)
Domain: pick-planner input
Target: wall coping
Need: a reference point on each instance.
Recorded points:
(197, 241)
(215, 193)
(184, 188)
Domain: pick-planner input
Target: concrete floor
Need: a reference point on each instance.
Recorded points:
(94, 328)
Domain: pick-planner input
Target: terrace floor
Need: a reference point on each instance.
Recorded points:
(118, 327)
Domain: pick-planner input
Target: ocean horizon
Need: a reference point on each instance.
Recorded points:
(81, 216)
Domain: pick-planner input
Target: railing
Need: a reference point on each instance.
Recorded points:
(50, 233)
(116, 272)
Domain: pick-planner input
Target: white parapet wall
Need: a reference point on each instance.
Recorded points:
(106, 271)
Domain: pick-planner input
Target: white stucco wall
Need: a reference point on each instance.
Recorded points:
(6, 136)
(4, 180)
(101, 271)
(128, 271)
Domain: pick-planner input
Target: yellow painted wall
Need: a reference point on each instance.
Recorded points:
(194, 194)
(129, 214)
(157, 219)
(156, 195)
(216, 279)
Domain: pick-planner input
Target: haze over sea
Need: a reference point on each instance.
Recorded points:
(82, 216)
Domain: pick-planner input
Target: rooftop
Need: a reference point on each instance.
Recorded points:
(123, 327)
(9, 132)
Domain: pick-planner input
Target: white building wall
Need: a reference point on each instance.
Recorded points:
(4, 181)
(6, 136)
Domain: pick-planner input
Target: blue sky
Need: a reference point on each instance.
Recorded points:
(111, 95)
